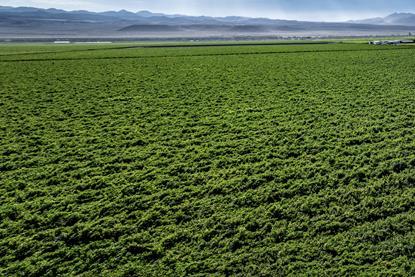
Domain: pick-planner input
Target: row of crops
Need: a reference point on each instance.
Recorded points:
(250, 160)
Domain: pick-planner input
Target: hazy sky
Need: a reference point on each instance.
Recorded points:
(328, 10)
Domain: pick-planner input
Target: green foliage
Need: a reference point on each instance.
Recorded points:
(251, 161)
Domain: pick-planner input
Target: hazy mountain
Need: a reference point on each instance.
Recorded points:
(401, 19)
(405, 19)
(27, 22)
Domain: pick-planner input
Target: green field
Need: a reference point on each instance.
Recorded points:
(244, 160)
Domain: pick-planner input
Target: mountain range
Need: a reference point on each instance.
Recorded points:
(405, 19)
(22, 22)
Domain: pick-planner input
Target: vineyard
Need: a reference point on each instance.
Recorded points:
(236, 160)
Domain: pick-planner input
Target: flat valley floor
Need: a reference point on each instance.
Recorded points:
(257, 160)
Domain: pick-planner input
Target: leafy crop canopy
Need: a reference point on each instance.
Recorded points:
(250, 160)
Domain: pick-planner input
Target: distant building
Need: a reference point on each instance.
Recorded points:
(62, 42)
(390, 42)
(407, 41)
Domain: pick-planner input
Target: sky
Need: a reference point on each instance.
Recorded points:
(313, 10)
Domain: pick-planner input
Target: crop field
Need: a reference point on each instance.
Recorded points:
(266, 160)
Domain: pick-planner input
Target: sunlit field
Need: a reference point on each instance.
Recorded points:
(252, 160)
